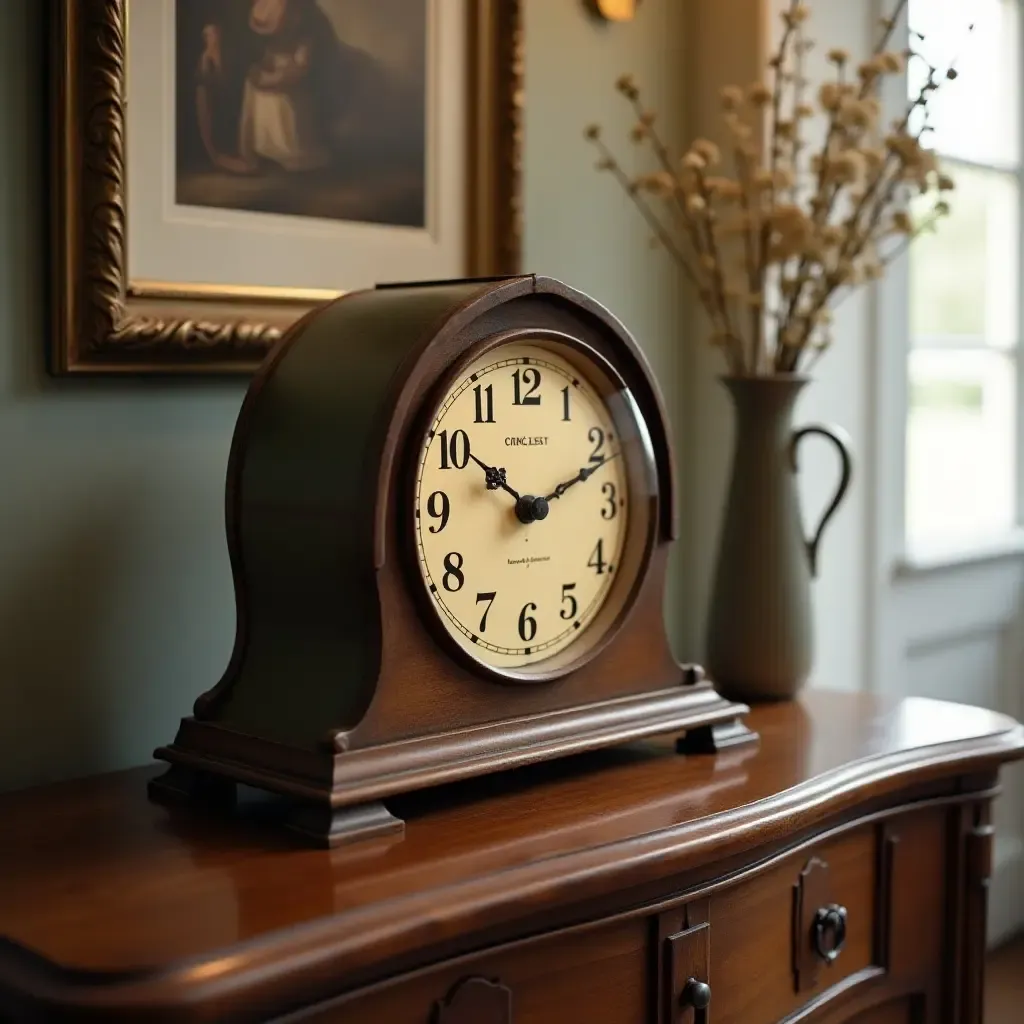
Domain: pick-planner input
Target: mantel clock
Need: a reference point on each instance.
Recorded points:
(449, 509)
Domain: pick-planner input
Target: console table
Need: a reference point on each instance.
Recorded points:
(834, 871)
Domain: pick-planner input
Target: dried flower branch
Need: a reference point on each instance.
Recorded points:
(769, 257)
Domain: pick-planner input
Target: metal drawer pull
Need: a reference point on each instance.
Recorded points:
(696, 994)
(830, 931)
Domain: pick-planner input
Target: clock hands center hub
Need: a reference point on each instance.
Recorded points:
(530, 509)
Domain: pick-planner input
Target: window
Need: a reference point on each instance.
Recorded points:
(965, 283)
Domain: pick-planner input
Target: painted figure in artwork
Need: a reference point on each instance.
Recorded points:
(308, 107)
(280, 119)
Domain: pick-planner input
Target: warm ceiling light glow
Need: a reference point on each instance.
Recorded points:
(617, 10)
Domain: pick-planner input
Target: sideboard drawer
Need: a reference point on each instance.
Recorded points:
(597, 974)
(764, 963)
(778, 937)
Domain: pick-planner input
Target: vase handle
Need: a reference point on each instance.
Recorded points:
(841, 440)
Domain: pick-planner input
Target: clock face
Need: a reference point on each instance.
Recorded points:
(524, 498)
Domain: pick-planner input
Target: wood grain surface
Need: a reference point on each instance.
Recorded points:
(111, 902)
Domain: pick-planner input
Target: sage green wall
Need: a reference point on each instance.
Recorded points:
(116, 605)
(579, 225)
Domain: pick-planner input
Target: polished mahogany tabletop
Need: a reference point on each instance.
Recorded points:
(94, 876)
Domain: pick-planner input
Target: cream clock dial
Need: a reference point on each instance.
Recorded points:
(523, 504)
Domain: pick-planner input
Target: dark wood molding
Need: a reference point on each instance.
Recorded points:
(888, 850)
(811, 892)
(103, 323)
(687, 963)
(475, 1001)
(979, 849)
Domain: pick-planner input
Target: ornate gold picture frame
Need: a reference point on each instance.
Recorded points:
(106, 319)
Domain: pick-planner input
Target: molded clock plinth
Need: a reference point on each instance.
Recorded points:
(335, 798)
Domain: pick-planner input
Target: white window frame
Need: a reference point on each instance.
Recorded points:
(895, 548)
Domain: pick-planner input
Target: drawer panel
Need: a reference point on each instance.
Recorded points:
(766, 945)
(598, 975)
(757, 941)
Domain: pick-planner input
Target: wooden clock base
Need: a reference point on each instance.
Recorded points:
(336, 798)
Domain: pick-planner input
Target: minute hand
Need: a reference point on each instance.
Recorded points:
(584, 473)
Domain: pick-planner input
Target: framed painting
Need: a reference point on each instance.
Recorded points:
(220, 167)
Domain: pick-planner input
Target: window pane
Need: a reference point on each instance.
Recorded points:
(960, 446)
(975, 116)
(964, 277)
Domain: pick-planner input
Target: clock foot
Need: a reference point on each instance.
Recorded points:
(709, 739)
(332, 827)
(181, 784)
(319, 824)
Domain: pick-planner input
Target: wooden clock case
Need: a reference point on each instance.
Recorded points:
(342, 689)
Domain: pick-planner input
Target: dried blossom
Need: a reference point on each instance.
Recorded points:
(770, 242)
(724, 189)
(796, 15)
(708, 151)
(901, 222)
(732, 97)
(858, 113)
(626, 84)
(893, 63)
(830, 95)
(661, 183)
(847, 167)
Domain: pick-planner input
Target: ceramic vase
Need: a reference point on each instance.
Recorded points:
(760, 632)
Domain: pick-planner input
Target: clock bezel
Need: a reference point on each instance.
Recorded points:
(643, 507)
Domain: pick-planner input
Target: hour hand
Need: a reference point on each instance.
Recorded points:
(495, 477)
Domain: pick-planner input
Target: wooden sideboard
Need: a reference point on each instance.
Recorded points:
(836, 871)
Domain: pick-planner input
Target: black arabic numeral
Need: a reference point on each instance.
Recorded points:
(527, 623)
(570, 612)
(484, 398)
(531, 379)
(455, 452)
(435, 513)
(596, 437)
(489, 598)
(608, 511)
(565, 404)
(452, 570)
(596, 560)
